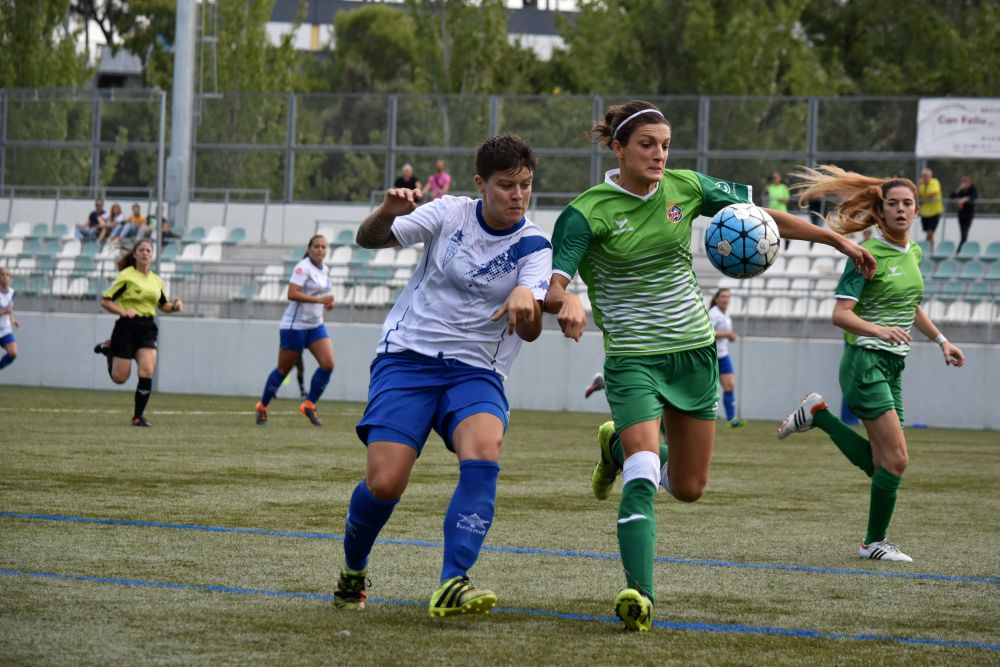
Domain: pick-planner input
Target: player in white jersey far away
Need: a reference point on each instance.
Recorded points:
(442, 357)
(876, 316)
(302, 327)
(7, 321)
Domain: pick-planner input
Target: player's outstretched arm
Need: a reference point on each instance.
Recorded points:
(952, 355)
(523, 312)
(793, 227)
(567, 307)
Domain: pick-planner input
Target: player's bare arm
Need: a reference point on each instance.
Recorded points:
(376, 230)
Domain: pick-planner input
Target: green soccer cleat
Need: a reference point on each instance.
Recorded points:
(351, 590)
(635, 610)
(457, 596)
(606, 469)
(737, 423)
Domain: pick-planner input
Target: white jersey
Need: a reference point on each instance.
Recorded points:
(722, 322)
(314, 281)
(464, 275)
(6, 301)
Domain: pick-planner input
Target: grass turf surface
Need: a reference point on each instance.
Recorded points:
(168, 593)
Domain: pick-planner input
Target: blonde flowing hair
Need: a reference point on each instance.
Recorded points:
(860, 197)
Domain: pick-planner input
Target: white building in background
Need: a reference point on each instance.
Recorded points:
(530, 21)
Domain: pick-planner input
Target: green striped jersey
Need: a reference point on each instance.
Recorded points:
(890, 298)
(634, 254)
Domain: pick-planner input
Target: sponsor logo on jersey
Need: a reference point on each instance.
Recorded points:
(298, 270)
(893, 272)
(623, 227)
(472, 523)
(725, 187)
(674, 213)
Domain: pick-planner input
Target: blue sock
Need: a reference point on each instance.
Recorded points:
(729, 401)
(271, 386)
(320, 379)
(365, 518)
(6, 361)
(469, 516)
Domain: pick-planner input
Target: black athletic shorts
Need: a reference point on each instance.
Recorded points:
(133, 333)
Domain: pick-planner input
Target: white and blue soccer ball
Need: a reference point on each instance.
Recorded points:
(742, 240)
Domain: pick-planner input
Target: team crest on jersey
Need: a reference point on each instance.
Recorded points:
(674, 213)
(298, 270)
(453, 243)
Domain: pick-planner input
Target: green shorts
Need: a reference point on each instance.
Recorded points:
(872, 382)
(638, 388)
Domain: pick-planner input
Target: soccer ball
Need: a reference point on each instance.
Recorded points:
(742, 240)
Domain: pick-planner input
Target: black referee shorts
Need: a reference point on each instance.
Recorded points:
(131, 334)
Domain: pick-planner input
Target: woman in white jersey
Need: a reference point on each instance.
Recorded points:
(630, 238)
(876, 316)
(302, 327)
(7, 321)
(442, 357)
(723, 325)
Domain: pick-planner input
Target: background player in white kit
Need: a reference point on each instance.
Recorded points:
(302, 327)
(442, 357)
(723, 325)
(7, 321)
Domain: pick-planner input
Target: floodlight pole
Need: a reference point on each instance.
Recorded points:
(178, 185)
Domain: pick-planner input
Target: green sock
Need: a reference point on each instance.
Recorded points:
(618, 454)
(637, 535)
(855, 447)
(885, 487)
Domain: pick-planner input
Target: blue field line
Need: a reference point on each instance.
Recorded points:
(512, 550)
(665, 625)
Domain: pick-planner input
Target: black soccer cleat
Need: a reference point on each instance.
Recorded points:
(140, 421)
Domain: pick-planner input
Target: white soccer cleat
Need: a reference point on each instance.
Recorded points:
(802, 418)
(597, 384)
(883, 550)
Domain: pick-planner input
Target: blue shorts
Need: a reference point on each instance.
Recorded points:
(299, 339)
(410, 394)
(726, 365)
(7, 340)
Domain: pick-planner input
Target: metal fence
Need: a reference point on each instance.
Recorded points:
(340, 147)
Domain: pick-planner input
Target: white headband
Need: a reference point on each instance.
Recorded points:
(626, 121)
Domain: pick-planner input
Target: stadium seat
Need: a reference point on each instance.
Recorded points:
(339, 273)
(822, 266)
(295, 254)
(925, 248)
(801, 285)
(822, 309)
(407, 257)
(943, 250)
(973, 270)
(383, 257)
(271, 292)
(84, 266)
(193, 235)
(39, 230)
(993, 273)
(778, 268)
(236, 235)
(70, 249)
(983, 312)
(361, 257)
(190, 253)
(378, 295)
(946, 270)
(757, 306)
(62, 232)
(170, 251)
(826, 286)
(4, 230)
(958, 311)
(948, 291)
(778, 286)
(12, 248)
(981, 291)
(89, 249)
(926, 267)
(401, 276)
(970, 250)
(346, 237)
(735, 306)
(212, 253)
(935, 308)
(992, 253)
(780, 307)
(19, 230)
(65, 267)
(246, 292)
(216, 234)
(340, 256)
(108, 251)
(797, 266)
(34, 247)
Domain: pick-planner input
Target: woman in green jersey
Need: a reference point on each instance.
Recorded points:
(134, 297)
(876, 316)
(630, 239)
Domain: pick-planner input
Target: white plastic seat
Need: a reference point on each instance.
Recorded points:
(79, 286)
(797, 266)
(958, 311)
(271, 291)
(779, 306)
(401, 276)
(190, 253)
(777, 268)
(407, 257)
(64, 267)
(800, 285)
(212, 252)
(167, 269)
(71, 248)
(26, 263)
(340, 256)
(757, 306)
(822, 266)
(60, 285)
(384, 257)
(735, 306)
(216, 234)
(935, 308)
(12, 248)
(339, 273)
(378, 295)
(778, 285)
(274, 271)
(826, 285)
(983, 311)
(19, 230)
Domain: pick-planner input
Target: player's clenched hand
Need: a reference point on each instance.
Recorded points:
(519, 306)
(952, 355)
(863, 260)
(572, 317)
(893, 335)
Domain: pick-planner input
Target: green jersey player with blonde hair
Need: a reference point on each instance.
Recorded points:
(876, 316)
(630, 239)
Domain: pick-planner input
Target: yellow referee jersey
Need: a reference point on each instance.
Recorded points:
(140, 292)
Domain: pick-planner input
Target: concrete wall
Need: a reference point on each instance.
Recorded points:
(232, 357)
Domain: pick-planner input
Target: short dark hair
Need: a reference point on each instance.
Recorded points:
(506, 153)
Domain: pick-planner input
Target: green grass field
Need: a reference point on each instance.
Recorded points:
(209, 540)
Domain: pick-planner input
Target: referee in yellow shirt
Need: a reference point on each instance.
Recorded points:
(134, 297)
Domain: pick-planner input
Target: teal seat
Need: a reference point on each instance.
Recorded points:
(84, 265)
(59, 231)
(925, 248)
(295, 254)
(185, 271)
(970, 250)
(46, 263)
(246, 293)
(89, 249)
(946, 269)
(236, 235)
(361, 256)
(33, 247)
(981, 291)
(926, 267)
(194, 235)
(948, 291)
(992, 252)
(4, 229)
(170, 251)
(345, 237)
(973, 270)
(993, 273)
(40, 230)
(944, 250)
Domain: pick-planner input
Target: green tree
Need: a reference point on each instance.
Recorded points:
(38, 52)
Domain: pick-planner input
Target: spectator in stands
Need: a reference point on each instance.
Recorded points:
(931, 205)
(166, 231)
(135, 226)
(778, 196)
(442, 357)
(116, 224)
(966, 195)
(439, 183)
(723, 325)
(630, 239)
(134, 297)
(876, 314)
(302, 327)
(94, 228)
(7, 321)
(407, 180)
